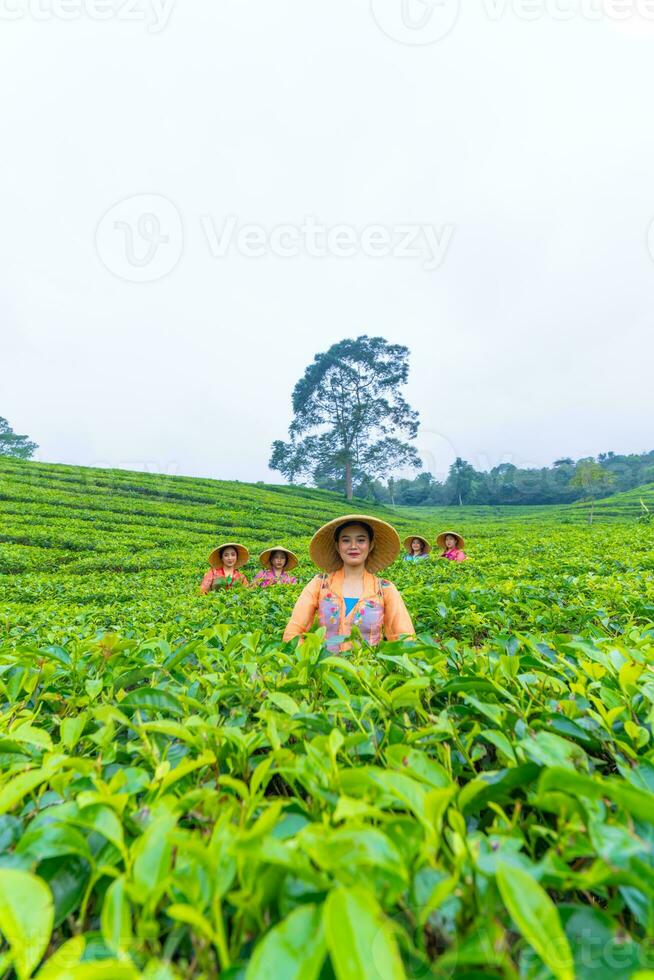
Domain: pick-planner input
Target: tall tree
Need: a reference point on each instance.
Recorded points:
(11, 444)
(391, 490)
(460, 480)
(348, 411)
(593, 480)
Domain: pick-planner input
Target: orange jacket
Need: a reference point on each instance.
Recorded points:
(381, 607)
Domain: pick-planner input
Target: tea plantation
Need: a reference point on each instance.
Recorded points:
(183, 795)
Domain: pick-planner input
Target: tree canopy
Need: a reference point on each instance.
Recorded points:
(593, 479)
(348, 416)
(11, 444)
(563, 482)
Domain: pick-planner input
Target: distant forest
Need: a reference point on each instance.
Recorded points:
(565, 481)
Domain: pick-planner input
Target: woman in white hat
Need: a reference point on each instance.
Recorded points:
(276, 563)
(350, 550)
(417, 548)
(225, 561)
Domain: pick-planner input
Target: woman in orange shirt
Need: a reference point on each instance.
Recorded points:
(225, 561)
(350, 550)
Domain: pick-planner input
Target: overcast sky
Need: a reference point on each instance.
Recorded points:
(199, 196)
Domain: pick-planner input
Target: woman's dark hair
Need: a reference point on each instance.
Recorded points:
(341, 527)
(224, 549)
(278, 551)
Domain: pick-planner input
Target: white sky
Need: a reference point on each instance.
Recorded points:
(524, 138)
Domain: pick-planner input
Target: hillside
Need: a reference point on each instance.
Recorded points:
(111, 512)
(92, 519)
(87, 520)
(98, 547)
(621, 506)
(184, 796)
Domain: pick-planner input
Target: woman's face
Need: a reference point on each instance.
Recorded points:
(229, 558)
(354, 545)
(416, 546)
(278, 561)
(451, 542)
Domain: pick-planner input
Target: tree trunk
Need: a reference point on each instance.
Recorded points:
(348, 480)
(592, 508)
(460, 501)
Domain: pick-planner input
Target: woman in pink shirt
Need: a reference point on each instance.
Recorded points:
(452, 544)
(276, 563)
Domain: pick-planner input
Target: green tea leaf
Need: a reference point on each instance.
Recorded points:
(26, 918)
(152, 699)
(65, 958)
(535, 915)
(359, 938)
(152, 855)
(116, 917)
(72, 728)
(295, 949)
(19, 787)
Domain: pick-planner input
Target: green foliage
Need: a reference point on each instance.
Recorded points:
(13, 445)
(183, 795)
(563, 482)
(593, 479)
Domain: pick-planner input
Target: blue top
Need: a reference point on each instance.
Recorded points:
(415, 557)
(349, 605)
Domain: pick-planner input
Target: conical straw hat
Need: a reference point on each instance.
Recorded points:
(242, 552)
(426, 545)
(440, 540)
(384, 550)
(266, 555)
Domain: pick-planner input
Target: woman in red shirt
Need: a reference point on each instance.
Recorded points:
(225, 561)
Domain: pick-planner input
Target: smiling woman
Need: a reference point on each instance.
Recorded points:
(276, 564)
(225, 561)
(349, 594)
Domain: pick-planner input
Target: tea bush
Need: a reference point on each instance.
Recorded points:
(183, 795)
